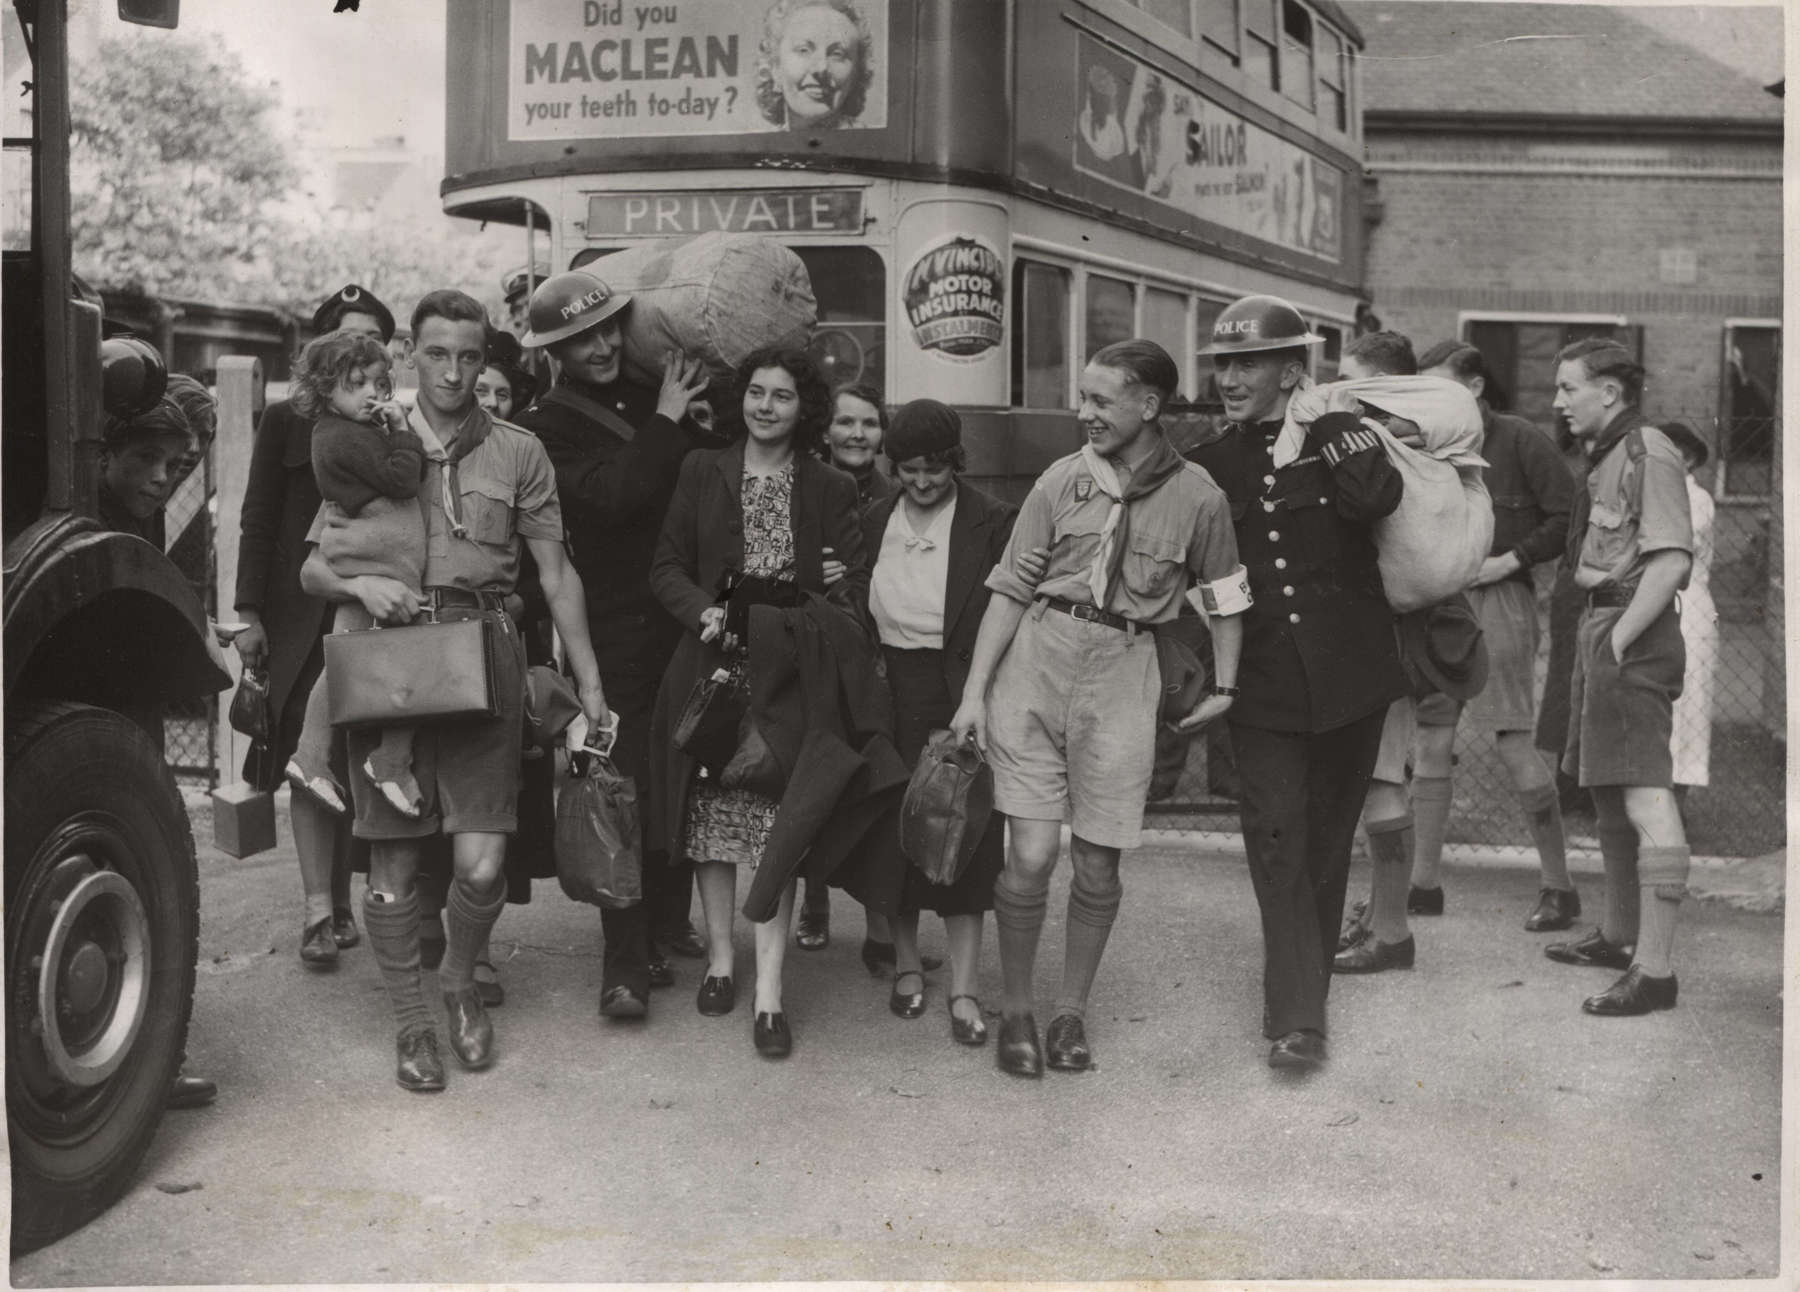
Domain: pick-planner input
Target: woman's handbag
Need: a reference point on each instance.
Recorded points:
(707, 729)
(250, 706)
(430, 670)
(599, 846)
(946, 809)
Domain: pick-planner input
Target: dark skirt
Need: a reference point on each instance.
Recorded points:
(923, 704)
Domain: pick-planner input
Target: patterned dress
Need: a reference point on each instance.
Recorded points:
(733, 825)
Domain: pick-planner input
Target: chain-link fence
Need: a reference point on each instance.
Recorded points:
(1734, 718)
(189, 724)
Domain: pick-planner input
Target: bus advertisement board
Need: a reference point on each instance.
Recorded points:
(1142, 130)
(611, 69)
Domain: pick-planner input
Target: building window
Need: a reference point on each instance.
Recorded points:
(1334, 80)
(1521, 355)
(850, 343)
(1750, 399)
(1260, 64)
(1111, 312)
(1297, 53)
(1165, 322)
(1040, 347)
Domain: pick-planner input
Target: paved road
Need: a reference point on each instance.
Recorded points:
(1472, 1122)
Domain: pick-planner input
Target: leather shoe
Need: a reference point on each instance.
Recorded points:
(622, 1002)
(1356, 927)
(1373, 956)
(878, 958)
(907, 1004)
(1636, 993)
(1594, 951)
(1300, 1051)
(967, 1031)
(1065, 1045)
(815, 930)
(682, 940)
(1018, 1051)
(343, 928)
(190, 1092)
(1556, 909)
(318, 950)
(471, 1035)
(662, 973)
(417, 1064)
(716, 996)
(773, 1040)
(1425, 901)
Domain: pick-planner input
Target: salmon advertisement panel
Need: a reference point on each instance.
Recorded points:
(1143, 130)
(589, 69)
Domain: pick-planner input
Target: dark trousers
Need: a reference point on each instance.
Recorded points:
(1301, 797)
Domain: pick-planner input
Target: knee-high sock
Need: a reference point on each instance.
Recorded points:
(1431, 817)
(1391, 852)
(394, 938)
(1091, 915)
(1619, 855)
(1663, 873)
(468, 916)
(1018, 920)
(1544, 813)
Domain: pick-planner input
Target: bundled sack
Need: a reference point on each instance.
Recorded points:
(1433, 543)
(599, 841)
(719, 297)
(946, 809)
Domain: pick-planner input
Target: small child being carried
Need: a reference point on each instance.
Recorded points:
(369, 465)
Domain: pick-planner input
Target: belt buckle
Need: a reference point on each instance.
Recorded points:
(1081, 610)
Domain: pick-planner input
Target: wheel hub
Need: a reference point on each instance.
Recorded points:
(93, 983)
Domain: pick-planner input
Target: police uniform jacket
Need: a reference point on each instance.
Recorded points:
(614, 492)
(1320, 648)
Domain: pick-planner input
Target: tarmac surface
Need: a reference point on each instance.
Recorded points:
(1472, 1122)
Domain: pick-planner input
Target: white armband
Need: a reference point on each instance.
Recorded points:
(1227, 596)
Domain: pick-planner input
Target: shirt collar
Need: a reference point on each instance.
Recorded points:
(470, 431)
(1615, 431)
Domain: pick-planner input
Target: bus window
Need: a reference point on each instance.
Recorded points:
(1165, 322)
(1206, 392)
(850, 284)
(1297, 53)
(1040, 358)
(1329, 354)
(1219, 24)
(1334, 80)
(1260, 43)
(1111, 309)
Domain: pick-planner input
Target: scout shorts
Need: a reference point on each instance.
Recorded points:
(468, 769)
(1507, 611)
(1072, 726)
(1622, 711)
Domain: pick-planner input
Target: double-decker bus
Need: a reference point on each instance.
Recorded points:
(984, 192)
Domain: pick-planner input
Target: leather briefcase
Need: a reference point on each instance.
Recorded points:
(946, 809)
(430, 671)
(707, 728)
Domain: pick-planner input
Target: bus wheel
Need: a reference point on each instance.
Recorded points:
(102, 926)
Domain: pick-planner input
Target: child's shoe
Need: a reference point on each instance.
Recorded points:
(318, 785)
(401, 791)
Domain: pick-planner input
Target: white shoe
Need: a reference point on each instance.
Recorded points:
(394, 793)
(321, 788)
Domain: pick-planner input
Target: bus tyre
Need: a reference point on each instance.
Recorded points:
(102, 926)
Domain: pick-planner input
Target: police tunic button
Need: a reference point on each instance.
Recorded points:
(1274, 536)
(1268, 506)
(1323, 500)
(1268, 480)
(1281, 562)
(1293, 619)
(1288, 591)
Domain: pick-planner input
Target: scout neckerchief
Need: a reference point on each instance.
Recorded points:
(1149, 476)
(1616, 430)
(468, 436)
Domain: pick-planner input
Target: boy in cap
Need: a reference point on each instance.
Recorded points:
(1064, 687)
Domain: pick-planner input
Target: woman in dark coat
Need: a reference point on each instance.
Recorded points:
(765, 509)
(932, 546)
(287, 627)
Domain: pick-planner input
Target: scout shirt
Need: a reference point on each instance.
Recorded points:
(1320, 648)
(506, 491)
(1637, 504)
(1182, 529)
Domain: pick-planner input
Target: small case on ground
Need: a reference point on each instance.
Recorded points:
(243, 820)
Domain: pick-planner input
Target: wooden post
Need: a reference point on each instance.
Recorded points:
(240, 394)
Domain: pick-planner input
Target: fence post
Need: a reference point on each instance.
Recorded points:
(240, 394)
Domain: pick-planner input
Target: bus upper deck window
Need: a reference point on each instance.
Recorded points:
(1165, 322)
(850, 285)
(1040, 357)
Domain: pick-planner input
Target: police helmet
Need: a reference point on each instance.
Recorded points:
(569, 303)
(1259, 323)
(352, 299)
(133, 376)
(522, 280)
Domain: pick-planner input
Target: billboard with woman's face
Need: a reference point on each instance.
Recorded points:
(613, 69)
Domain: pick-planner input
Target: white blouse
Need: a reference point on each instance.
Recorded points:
(906, 589)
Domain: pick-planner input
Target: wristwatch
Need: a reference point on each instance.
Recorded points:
(1230, 692)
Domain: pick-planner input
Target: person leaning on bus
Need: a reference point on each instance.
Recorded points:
(1321, 658)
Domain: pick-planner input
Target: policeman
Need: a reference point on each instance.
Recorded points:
(517, 287)
(617, 449)
(1320, 659)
